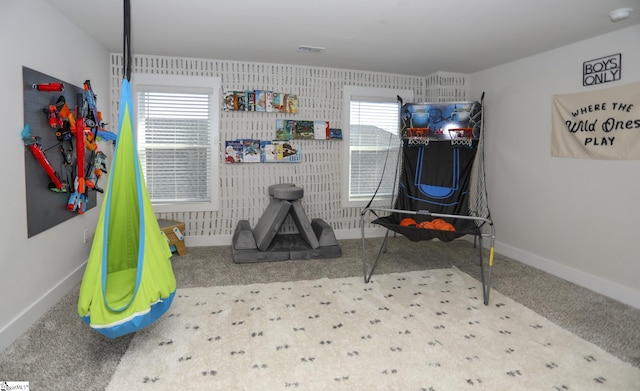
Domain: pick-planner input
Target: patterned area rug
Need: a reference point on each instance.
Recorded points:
(425, 330)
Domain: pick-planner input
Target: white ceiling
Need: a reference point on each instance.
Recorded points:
(415, 37)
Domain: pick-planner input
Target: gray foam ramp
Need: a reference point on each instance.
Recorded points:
(324, 233)
(243, 238)
(270, 222)
(302, 223)
(299, 249)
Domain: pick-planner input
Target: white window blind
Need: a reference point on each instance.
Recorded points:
(177, 129)
(174, 135)
(374, 143)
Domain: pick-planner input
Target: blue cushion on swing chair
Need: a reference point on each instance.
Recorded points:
(136, 322)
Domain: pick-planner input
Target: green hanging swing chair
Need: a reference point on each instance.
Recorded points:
(128, 282)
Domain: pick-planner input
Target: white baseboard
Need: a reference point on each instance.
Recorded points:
(597, 284)
(206, 241)
(21, 323)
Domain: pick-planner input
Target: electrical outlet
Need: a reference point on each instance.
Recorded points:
(85, 235)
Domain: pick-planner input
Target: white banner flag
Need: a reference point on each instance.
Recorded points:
(599, 124)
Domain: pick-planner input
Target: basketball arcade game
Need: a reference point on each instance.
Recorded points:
(440, 179)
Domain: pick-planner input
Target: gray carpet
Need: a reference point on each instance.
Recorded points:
(60, 352)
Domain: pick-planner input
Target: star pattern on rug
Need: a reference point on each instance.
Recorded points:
(426, 330)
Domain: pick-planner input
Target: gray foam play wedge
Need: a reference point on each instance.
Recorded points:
(289, 193)
(270, 222)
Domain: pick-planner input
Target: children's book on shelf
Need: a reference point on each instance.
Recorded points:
(229, 101)
(240, 101)
(250, 97)
(280, 129)
(304, 130)
(280, 151)
(268, 101)
(291, 104)
(234, 101)
(233, 151)
(321, 130)
(335, 134)
(251, 151)
(290, 128)
(285, 129)
(278, 102)
(261, 97)
(268, 151)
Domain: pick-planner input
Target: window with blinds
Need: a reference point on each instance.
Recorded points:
(373, 143)
(176, 129)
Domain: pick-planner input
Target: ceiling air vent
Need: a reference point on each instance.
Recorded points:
(310, 49)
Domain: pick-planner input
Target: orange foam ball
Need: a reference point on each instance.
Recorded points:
(426, 224)
(407, 222)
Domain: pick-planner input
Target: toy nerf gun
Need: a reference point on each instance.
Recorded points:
(64, 112)
(93, 119)
(49, 87)
(53, 116)
(77, 200)
(34, 145)
(107, 135)
(96, 169)
(65, 132)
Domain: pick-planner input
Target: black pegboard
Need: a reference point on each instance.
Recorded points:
(45, 208)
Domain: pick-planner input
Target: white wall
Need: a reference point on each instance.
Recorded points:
(37, 271)
(576, 218)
